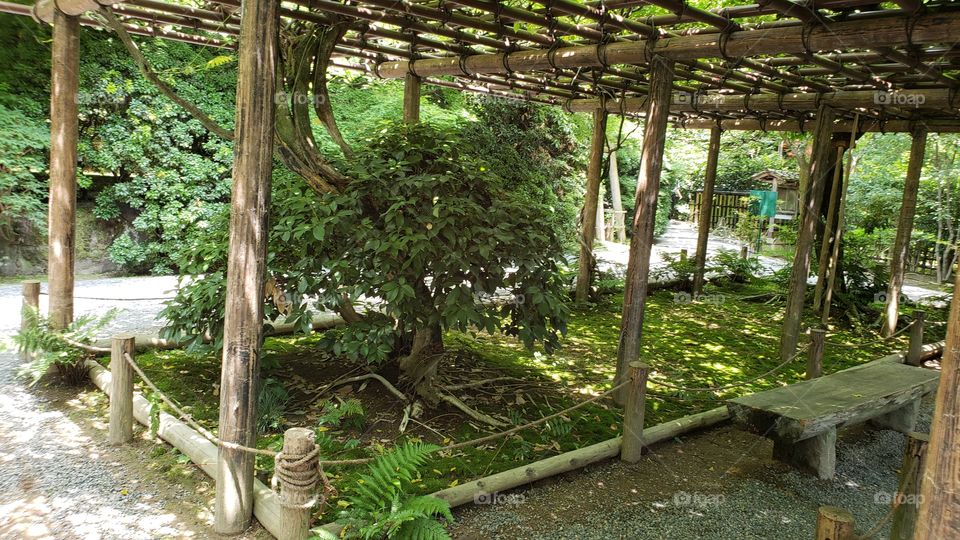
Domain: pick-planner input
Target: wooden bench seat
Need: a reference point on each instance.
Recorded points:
(802, 419)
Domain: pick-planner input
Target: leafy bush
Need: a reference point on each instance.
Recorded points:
(676, 269)
(272, 404)
(23, 186)
(738, 270)
(379, 506)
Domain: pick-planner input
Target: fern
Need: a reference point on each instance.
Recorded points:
(50, 347)
(380, 507)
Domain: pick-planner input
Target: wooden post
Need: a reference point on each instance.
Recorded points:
(815, 353)
(411, 99)
(834, 523)
(29, 309)
(819, 164)
(295, 498)
(641, 243)
(64, 78)
(744, 252)
(243, 322)
(915, 352)
(940, 490)
(683, 256)
(898, 256)
(588, 216)
(706, 210)
(827, 241)
(121, 390)
(905, 504)
(633, 413)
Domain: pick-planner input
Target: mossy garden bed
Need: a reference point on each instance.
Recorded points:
(730, 336)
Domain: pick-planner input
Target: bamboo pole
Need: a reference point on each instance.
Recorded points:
(801, 261)
(411, 99)
(641, 243)
(827, 242)
(833, 268)
(65, 72)
(243, 323)
(898, 255)
(588, 215)
(121, 394)
(939, 515)
(933, 125)
(706, 209)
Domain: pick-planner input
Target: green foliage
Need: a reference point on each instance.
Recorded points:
(864, 275)
(348, 414)
(272, 402)
(49, 347)
(379, 506)
(23, 185)
(736, 269)
(676, 269)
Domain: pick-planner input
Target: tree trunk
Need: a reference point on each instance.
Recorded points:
(619, 228)
(63, 166)
(706, 210)
(246, 263)
(418, 369)
(588, 215)
(819, 169)
(898, 257)
(648, 189)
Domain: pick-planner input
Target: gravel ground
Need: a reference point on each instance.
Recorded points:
(720, 484)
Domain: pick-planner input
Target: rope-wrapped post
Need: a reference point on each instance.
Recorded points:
(834, 523)
(915, 352)
(29, 310)
(632, 446)
(815, 353)
(907, 501)
(121, 389)
(297, 472)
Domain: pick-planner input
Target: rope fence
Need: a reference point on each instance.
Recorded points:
(104, 299)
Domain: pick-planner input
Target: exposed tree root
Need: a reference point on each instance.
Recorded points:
(393, 389)
(472, 413)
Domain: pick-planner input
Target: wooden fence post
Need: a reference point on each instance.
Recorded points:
(744, 252)
(633, 411)
(295, 496)
(29, 309)
(815, 353)
(906, 502)
(834, 523)
(916, 338)
(683, 255)
(121, 390)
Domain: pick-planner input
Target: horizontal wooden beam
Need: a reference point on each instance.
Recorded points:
(942, 99)
(891, 126)
(890, 31)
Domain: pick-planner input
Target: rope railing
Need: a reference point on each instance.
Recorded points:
(875, 341)
(739, 384)
(105, 299)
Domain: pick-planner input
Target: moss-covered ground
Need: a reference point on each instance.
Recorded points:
(729, 336)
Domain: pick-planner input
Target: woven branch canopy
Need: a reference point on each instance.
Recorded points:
(751, 66)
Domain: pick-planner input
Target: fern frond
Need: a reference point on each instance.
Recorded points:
(423, 529)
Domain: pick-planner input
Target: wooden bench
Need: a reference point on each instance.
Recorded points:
(802, 419)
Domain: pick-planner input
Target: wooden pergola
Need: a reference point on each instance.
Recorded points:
(833, 68)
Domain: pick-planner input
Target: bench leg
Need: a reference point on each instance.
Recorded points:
(903, 419)
(817, 455)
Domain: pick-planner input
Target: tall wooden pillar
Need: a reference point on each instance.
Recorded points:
(898, 256)
(588, 216)
(411, 99)
(641, 242)
(63, 166)
(819, 167)
(250, 200)
(706, 209)
(939, 515)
